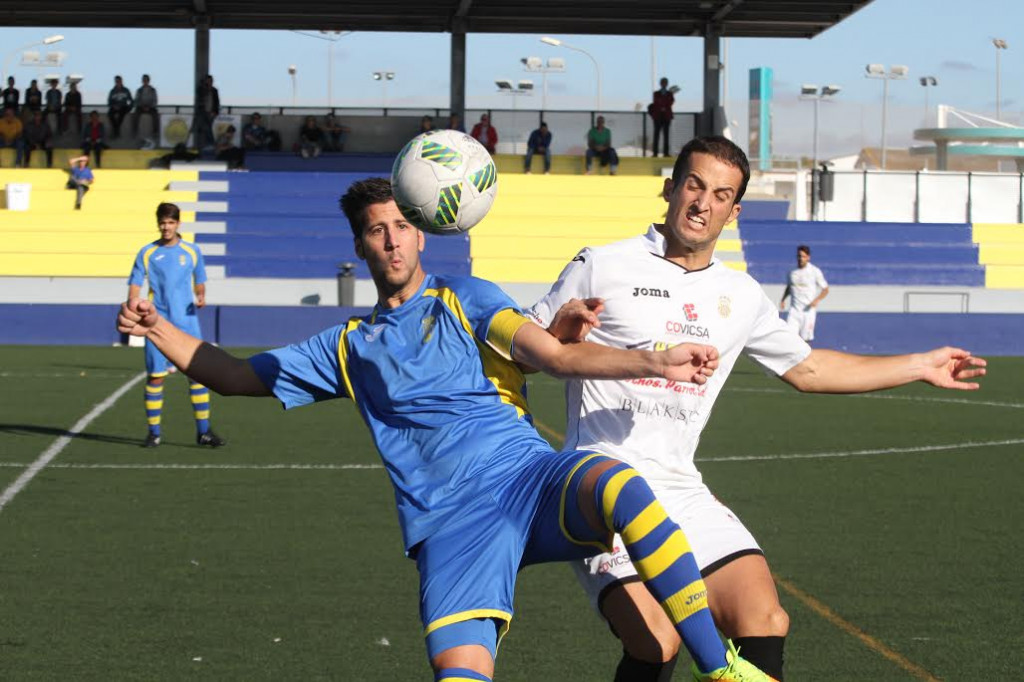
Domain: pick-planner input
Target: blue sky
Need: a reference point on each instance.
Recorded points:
(948, 39)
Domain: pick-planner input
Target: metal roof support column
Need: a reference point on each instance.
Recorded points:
(202, 53)
(458, 78)
(712, 122)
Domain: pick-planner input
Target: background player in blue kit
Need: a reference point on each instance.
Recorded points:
(435, 373)
(176, 272)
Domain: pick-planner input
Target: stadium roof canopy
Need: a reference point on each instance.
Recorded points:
(726, 18)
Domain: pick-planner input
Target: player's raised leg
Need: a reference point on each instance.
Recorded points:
(607, 496)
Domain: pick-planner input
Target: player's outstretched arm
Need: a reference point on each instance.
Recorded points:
(827, 371)
(208, 365)
(575, 319)
(535, 347)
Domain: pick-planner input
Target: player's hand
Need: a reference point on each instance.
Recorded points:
(950, 367)
(575, 319)
(137, 317)
(691, 362)
(200, 300)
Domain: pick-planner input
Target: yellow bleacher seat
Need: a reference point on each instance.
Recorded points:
(1001, 251)
(117, 218)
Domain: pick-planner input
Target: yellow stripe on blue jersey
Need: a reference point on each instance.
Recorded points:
(353, 323)
(498, 367)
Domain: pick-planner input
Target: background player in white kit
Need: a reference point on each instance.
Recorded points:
(805, 288)
(665, 288)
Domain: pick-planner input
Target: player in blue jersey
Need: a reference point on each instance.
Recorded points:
(436, 373)
(176, 273)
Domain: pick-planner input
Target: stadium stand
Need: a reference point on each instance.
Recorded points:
(1001, 251)
(288, 224)
(865, 253)
(53, 240)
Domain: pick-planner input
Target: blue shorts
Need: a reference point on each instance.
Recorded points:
(468, 568)
(156, 364)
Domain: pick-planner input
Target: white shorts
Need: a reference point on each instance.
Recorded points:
(802, 322)
(715, 534)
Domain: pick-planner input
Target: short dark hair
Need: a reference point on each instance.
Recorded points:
(804, 248)
(359, 196)
(166, 210)
(723, 149)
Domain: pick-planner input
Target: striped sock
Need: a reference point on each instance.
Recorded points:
(460, 675)
(154, 397)
(200, 396)
(662, 557)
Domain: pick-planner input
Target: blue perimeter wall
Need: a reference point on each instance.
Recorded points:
(263, 326)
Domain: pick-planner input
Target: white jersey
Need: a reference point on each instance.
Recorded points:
(804, 286)
(652, 303)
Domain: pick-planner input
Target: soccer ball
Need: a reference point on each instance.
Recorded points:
(444, 181)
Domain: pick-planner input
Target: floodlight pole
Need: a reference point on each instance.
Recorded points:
(597, 69)
(49, 40)
(885, 113)
(1000, 45)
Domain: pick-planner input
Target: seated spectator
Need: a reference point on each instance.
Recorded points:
(146, 103)
(254, 135)
(80, 179)
(38, 135)
(11, 130)
(426, 124)
(94, 137)
(53, 101)
(311, 139)
(539, 143)
(33, 100)
(599, 144)
(485, 133)
(10, 97)
(72, 107)
(228, 151)
(179, 153)
(120, 102)
(455, 123)
(334, 134)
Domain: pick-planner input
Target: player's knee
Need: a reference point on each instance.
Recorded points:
(771, 621)
(776, 622)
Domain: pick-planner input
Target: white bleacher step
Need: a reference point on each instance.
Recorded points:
(729, 256)
(204, 206)
(198, 186)
(214, 249)
(205, 227)
(199, 165)
(215, 271)
(730, 233)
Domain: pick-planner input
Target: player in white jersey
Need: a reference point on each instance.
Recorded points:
(805, 288)
(665, 288)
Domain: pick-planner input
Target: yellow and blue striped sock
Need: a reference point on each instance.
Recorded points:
(200, 396)
(460, 675)
(154, 399)
(662, 556)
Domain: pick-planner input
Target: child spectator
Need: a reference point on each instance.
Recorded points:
(228, 151)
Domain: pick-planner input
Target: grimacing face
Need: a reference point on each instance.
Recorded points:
(702, 202)
(391, 247)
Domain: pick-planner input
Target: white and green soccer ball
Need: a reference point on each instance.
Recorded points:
(444, 182)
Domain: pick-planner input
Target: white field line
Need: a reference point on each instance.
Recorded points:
(142, 466)
(881, 396)
(62, 442)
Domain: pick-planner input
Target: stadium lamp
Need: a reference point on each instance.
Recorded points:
(50, 40)
(503, 84)
(896, 72)
(926, 82)
(830, 90)
(532, 63)
(73, 78)
(1000, 45)
(383, 77)
(536, 65)
(526, 85)
(555, 42)
(808, 90)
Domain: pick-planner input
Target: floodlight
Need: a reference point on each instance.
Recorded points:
(292, 69)
(73, 78)
(928, 80)
(807, 90)
(674, 89)
(504, 84)
(532, 62)
(31, 58)
(875, 69)
(556, 63)
(548, 40)
(52, 39)
(899, 70)
(52, 77)
(526, 85)
(999, 43)
(829, 90)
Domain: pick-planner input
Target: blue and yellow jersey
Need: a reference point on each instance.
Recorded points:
(173, 272)
(434, 381)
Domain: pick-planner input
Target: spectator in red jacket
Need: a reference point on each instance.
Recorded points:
(485, 133)
(660, 110)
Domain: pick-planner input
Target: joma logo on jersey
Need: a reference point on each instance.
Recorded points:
(690, 311)
(654, 293)
(673, 327)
